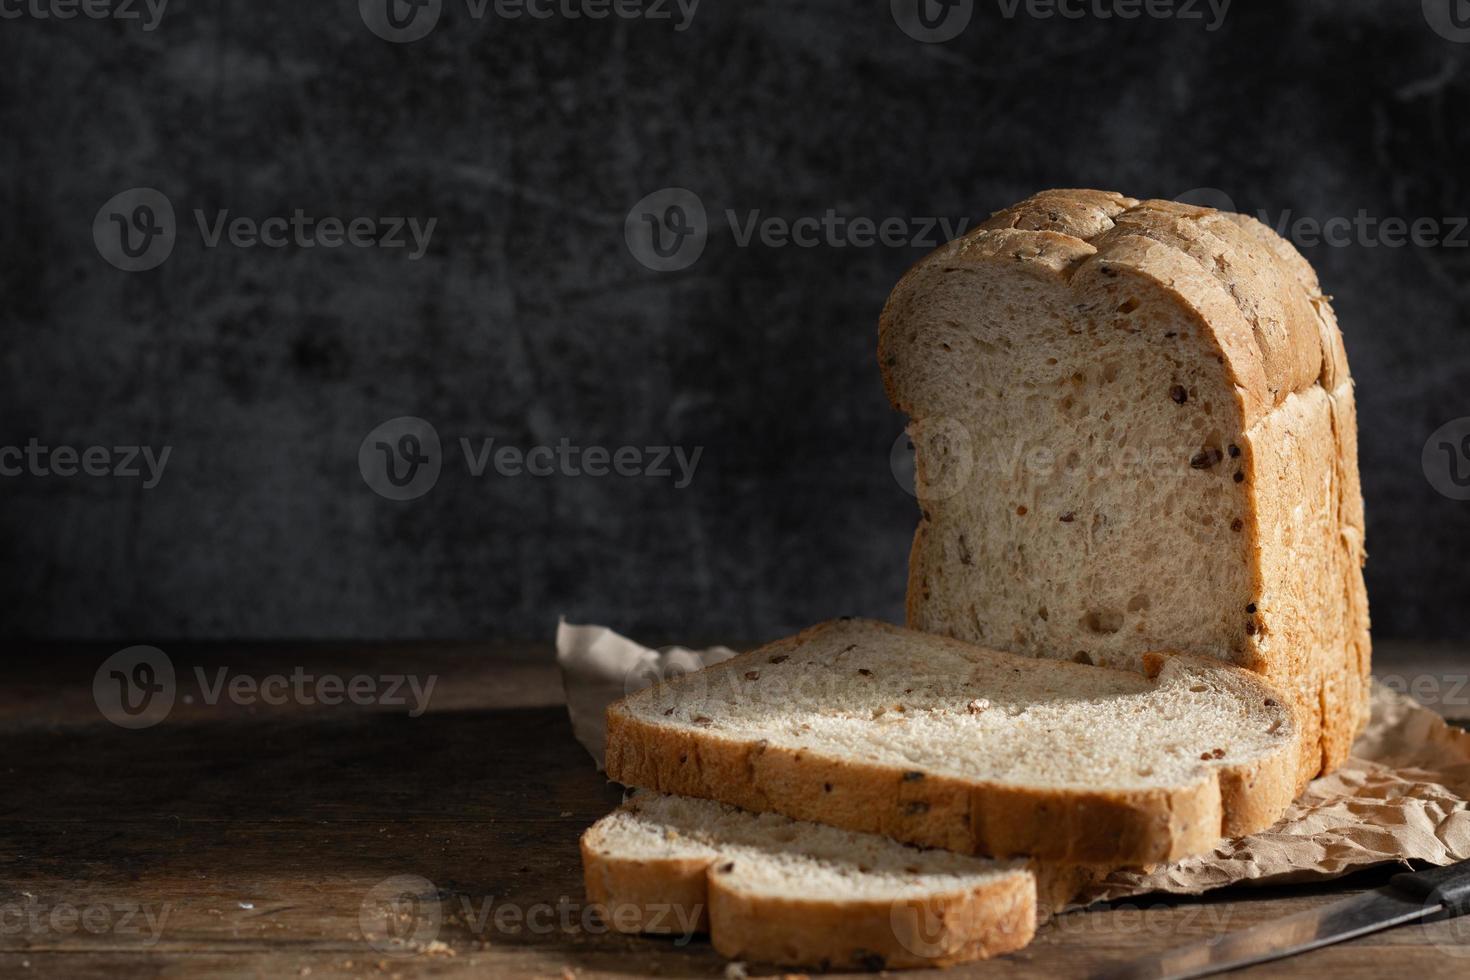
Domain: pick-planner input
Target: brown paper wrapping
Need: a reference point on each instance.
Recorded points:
(1403, 795)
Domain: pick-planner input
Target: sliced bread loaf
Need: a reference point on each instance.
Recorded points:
(776, 890)
(1135, 431)
(875, 728)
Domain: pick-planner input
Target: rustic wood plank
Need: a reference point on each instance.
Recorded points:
(239, 840)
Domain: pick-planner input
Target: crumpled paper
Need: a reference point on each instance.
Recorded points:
(599, 666)
(1401, 796)
(1404, 795)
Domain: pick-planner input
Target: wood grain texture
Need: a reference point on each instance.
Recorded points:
(237, 842)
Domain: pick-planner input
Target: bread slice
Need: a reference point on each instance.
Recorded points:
(1135, 431)
(775, 890)
(875, 728)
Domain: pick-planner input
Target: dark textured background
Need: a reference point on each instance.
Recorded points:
(530, 321)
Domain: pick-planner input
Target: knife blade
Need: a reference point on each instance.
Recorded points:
(1408, 897)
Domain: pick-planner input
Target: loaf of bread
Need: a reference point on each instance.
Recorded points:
(931, 741)
(776, 890)
(1135, 431)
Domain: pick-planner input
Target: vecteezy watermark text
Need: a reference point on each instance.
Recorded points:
(149, 12)
(936, 21)
(34, 920)
(137, 688)
(402, 458)
(1370, 230)
(667, 230)
(136, 230)
(1362, 228)
(953, 461)
(565, 459)
(403, 915)
(405, 21)
(305, 231)
(1440, 691)
(125, 462)
(1211, 13)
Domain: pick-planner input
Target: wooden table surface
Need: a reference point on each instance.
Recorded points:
(244, 839)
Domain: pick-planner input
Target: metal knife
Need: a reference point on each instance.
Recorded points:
(1436, 893)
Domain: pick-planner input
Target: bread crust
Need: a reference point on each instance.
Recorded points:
(664, 896)
(1118, 827)
(1257, 300)
(942, 928)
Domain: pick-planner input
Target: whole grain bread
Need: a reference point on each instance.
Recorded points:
(871, 727)
(1135, 430)
(775, 890)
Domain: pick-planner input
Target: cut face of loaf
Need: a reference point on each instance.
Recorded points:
(870, 727)
(1134, 431)
(775, 890)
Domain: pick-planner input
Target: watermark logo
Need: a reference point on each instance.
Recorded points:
(401, 915)
(667, 230)
(919, 926)
(405, 21)
(1448, 933)
(134, 688)
(672, 665)
(686, 672)
(1450, 19)
(401, 459)
(932, 21)
(902, 464)
(1207, 197)
(933, 459)
(138, 687)
(1446, 459)
(150, 12)
(135, 230)
(400, 21)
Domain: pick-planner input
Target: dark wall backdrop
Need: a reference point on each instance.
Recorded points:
(530, 320)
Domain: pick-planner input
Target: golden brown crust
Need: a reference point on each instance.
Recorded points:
(665, 896)
(1074, 212)
(1356, 670)
(939, 930)
(1251, 795)
(1126, 827)
(1260, 302)
(1281, 330)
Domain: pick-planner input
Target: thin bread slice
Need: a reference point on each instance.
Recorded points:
(1134, 430)
(775, 890)
(871, 727)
